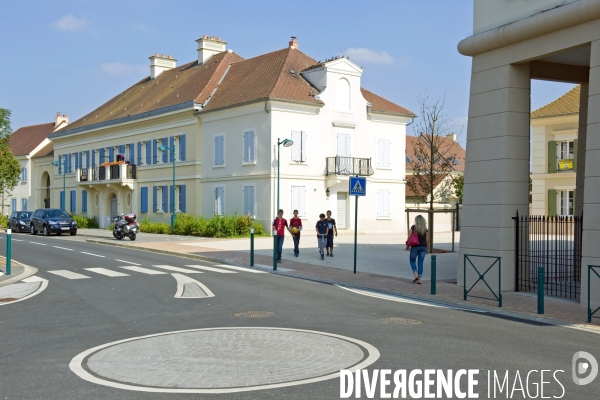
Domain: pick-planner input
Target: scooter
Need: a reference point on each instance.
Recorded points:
(125, 225)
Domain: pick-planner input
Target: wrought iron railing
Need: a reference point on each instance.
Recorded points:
(105, 173)
(348, 166)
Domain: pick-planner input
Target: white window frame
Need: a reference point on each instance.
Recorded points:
(380, 156)
(178, 198)
(26, 174)
(83, 159)
(253, 160)
(559, 202)
(304, 150)
(73, 167)
(215, 206)
(159, 197)
(294, 207)
(177, 145)
(380, 214)
(253, 186)
(214, 148)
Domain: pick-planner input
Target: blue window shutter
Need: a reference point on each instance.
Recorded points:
(102, 155)
(76, 160)
(122, 149)
(171, 199)
(59, 165)
(80, 159)
(67, 162)
(87, 159)
(171, 145)
(182, 199)
(154, 199)
(84, 201)
(144, 198)
(62, 200)
(73, 201)
(131, 153)
(139, 153)
(23, 204)
(111, 154)
(13, 205)
(182, 148)
(148, 153)
(93, 158)
(155, 151)
(165, 155)
(165, 198)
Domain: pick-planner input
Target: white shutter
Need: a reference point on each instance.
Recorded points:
(297, 146)
(344, 145)
(295, 198)
(383, 150)
(248, 146)
(380, 153)
(383, 202)
(248, 200)
(302, 201)
(251, 141)
(219, 150)
(388, 153)
(348, 145)
(304, 146)
(219, 201)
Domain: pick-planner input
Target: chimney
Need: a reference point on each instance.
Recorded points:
(294, 43)
(59, 120)
(208, 47)
(160, 64)
(452, 136)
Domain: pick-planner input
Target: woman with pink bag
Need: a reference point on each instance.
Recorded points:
(417, 241)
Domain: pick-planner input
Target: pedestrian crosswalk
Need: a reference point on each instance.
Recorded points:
(125, 271)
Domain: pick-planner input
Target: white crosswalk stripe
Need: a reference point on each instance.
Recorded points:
(221, 271)
(177, 269)
(145, 270)
(254, 271)
(68, 274)
(107, 272)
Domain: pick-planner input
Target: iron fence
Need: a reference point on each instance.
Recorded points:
(348, 166)
(107, 173)
(553, 243)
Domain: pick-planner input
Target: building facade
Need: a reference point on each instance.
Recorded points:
(554, 156)
(220, 119)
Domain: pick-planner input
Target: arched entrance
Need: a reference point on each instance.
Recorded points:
(46, 191)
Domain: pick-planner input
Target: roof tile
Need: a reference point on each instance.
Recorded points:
(567, 104)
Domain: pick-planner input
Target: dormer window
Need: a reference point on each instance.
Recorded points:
(342, 95)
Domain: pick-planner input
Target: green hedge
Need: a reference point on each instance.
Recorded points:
(85, 222)
(3, 221)
(224, 226)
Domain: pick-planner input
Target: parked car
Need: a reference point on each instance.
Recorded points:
(19, 221)
(52, 220)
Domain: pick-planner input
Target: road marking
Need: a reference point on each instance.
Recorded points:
(17, 240)
(127, 262)
(62, 248)
(241, 269)
(40, 289)
(41, 244)
(188, 288)
(221, 271)
(177, 269)
(90, 254)
(145, 270)
(33, 279)
(68, 274)
(107, 272)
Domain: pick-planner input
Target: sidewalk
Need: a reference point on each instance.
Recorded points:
(17, 272)
(382, 266)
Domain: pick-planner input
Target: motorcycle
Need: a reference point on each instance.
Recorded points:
(125, 225)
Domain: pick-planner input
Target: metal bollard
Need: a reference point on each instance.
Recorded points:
(8, 250)
(540, 290)
(252, 247)
(275, 250)
(433, 274)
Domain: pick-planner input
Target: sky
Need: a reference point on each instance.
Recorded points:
(73, 55)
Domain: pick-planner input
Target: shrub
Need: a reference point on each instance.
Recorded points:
(3, 221)
(219, 226)
(85, 222)
(148, 226)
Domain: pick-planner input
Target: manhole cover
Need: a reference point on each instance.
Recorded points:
(255, 314)
(400, 321)
(7, 299)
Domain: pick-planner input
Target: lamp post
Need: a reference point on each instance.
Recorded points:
(172, 150)
(63, 201)
(285, 143)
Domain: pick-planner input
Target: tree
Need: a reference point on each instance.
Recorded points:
(10, 169)
(459, 184)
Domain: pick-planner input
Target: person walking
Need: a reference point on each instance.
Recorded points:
(279, 226)
(332, 228)
(296, 225)
(418, 251)
(322, 229)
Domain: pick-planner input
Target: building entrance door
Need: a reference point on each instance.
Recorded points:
(113, 206)
(341, 218)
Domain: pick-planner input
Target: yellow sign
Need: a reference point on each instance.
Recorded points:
(565, 164)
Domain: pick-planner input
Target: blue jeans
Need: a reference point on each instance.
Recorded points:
(279, 246)
(296, 238)
(419, 252)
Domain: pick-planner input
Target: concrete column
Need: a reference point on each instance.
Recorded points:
(591, 198)
(581, 141)
(496, 170)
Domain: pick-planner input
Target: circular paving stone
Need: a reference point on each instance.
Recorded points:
(222, 360)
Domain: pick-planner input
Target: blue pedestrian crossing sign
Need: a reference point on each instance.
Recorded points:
(358, 186)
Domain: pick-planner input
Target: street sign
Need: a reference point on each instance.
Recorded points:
(358, 186)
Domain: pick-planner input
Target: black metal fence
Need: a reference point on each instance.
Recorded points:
(553, 243)
(348, 166)
(105, 173)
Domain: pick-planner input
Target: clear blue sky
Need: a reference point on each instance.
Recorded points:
(72, 56)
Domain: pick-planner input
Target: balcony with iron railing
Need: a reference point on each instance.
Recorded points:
(124, 174)
(350, 166)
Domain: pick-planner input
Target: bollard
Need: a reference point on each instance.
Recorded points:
(433, 274)
(8, 250)
(252, 247)
(540, 290)
(275, 250)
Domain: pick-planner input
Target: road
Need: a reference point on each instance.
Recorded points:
(300, 331)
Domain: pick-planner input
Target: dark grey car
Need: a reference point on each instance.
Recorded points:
(52, 220)
(19, 221)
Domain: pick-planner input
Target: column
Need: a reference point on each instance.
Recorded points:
(497, 168)
(591, 197)
(581, 141)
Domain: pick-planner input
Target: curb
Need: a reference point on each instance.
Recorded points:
(450, 303)
(27, 272)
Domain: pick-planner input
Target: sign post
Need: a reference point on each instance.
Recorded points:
(358, 187)
(8, 250)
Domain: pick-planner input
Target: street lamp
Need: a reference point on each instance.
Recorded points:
(64, 199)
(172, 150)
(285, 143)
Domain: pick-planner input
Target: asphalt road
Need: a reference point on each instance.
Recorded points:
(40, 336)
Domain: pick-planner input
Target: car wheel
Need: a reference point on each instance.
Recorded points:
(32, 230)
(45, 231)
(73, 233)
